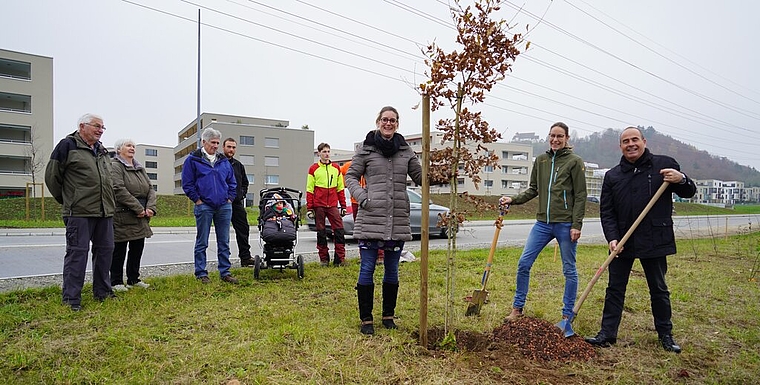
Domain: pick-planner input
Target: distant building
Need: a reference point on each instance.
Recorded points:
(273, 154)
(526, 137)
(26, 121)
(159, 164)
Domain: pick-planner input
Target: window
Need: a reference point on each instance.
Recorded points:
(149, 164)
(504, 154)
(15, 102)
(488, 183)
(152, 176)
(250, 178)
(271, 161)
(504, 169)
(15, 69)
(246, 140)
(272, 179)
(504, 184)
(155, 187)
(460, 181)
(151, 152)
(247, 160)
(488, 169)
(272, 142)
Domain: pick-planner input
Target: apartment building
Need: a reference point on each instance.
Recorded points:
(26, 121)
(273, 154)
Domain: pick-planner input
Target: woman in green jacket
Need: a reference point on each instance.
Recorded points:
(135, 205)
(558, 180)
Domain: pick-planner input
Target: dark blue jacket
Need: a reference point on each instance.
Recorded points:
(213, 185)
(626, 190)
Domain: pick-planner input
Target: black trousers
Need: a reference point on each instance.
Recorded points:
(619, 272)
(242, 230)
(80, 231)
(136, 247)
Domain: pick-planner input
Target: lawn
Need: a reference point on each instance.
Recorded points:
(282, 330)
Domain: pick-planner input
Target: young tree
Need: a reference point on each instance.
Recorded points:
(36, 164)
(458, 79)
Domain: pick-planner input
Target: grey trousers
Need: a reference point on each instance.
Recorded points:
(80, 231)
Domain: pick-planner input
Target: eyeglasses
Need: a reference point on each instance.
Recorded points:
(98, 126)
(389, 120)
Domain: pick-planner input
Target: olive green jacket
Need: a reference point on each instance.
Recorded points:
(134, 193)
(559, 181)
(79, 177)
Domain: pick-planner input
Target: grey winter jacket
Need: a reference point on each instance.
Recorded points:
(384, 212)
(134, 193)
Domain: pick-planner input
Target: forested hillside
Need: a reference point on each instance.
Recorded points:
(603, 149)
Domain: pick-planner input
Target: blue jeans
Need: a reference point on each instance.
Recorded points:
(540, 236)
(221, 217)
(367, 267)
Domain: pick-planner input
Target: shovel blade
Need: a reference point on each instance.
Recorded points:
(566, 327)
(476, 302)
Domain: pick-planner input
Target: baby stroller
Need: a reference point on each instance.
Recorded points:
(278, 230)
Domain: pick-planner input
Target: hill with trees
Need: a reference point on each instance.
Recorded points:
(603, 149)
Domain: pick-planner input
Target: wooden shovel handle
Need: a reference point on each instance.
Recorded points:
(491, 253)
(619, 247)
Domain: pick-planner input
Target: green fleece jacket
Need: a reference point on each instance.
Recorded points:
(559, 181)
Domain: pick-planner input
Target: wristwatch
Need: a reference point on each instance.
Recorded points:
(683, 179)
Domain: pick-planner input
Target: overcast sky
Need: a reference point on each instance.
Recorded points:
(687, 68)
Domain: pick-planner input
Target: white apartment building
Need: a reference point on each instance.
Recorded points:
(273, 154)
(159, 164)
(26, 121)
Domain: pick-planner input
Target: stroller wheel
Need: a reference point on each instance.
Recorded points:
(256, 266)
(299, 261)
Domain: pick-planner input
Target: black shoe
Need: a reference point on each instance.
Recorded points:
(601, 340)
(367, 328)
(668, 344)
(246, 262)
(388, 323)
(75, 307)
(110, 295)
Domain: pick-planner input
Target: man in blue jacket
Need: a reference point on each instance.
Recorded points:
(626, 190)
(208, 180)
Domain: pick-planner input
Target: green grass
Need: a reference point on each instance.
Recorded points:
(281, 330)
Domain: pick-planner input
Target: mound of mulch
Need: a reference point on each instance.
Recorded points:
(535, 339)
(540, 340)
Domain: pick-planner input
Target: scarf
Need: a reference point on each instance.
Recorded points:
(388, 147)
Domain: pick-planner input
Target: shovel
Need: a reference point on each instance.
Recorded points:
(565, 324)
(479, 296)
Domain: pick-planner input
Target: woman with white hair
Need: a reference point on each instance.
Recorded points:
(135, 205)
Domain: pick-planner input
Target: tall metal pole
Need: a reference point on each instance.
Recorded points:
(425, 220)
(198, 119)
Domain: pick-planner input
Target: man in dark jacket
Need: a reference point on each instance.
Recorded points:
(208, 180)
(626, 190)
(239, 215)
(79, 177)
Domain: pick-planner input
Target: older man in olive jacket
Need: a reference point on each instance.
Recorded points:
(79, 177)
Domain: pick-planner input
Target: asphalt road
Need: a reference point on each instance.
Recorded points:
(38, 252)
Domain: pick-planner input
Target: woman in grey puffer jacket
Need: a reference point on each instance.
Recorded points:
(384, 160)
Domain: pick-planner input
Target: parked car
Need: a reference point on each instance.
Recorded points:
(415, 217)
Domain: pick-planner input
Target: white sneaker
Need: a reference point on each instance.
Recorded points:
(140, 284)
(120, 288)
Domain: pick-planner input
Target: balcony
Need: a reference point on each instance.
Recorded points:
(15, 103)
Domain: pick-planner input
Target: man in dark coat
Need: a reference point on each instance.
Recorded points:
(626, 190)
(239, 215)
